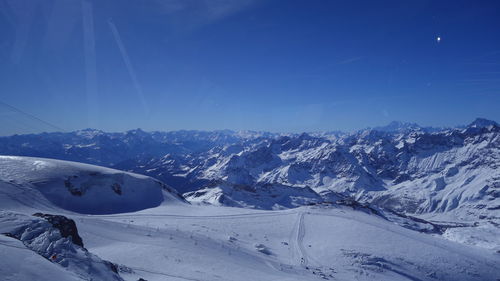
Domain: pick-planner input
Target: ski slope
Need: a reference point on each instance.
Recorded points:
(170, 239)
(306, 243)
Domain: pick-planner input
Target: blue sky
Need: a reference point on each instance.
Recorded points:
(246, 65)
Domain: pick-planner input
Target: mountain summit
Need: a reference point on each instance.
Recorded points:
(482, 123)
(398, 126)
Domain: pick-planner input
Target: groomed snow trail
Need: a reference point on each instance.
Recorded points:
(299, 255)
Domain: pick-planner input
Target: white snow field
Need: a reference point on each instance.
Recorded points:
(148, 232)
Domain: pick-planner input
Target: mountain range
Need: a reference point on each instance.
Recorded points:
(448, 176)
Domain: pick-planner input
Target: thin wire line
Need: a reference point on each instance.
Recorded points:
(33, 116)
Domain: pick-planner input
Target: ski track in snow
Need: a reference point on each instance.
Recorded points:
(298, 244)
(299, 255)
(249, 215)
(162, 274)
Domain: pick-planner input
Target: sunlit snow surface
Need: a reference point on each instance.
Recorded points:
(172, 240)
(78, 187)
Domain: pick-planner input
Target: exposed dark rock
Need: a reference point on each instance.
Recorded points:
(71, 187)
(67, 227)
(113, 267)
(56, 239)
(9, 235)
(355, 205)
(117, 188)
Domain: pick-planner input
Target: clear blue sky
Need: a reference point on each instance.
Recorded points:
(250, 64)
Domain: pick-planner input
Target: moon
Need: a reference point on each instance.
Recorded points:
(438, 39)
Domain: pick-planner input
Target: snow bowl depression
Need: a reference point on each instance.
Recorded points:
(82, 188)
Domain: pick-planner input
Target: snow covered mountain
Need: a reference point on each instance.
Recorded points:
(168, 239)
(448, 176)
(412, 170)
(108, 149)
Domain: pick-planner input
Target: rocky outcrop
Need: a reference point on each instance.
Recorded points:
(66, 226)
(56, 238)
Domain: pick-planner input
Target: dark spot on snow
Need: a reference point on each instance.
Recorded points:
(263, 249)
(71, 187)
(117, 188)
(67, 183)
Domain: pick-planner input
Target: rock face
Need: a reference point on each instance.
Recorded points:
(56, 239)
(66, 227)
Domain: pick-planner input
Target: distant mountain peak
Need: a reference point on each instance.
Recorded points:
(137, 132)
(482, 123)
(89, 132)
(398, 126)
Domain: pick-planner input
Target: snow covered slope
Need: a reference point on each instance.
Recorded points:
(306, 243)
(176, 241)
(54, 184)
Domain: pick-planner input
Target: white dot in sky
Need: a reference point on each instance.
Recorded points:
(438, 39)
